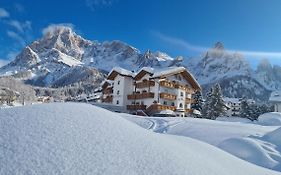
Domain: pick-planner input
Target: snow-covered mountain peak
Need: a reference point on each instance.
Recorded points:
(218, 63)
(61, 49)
(161, 56)
(264, 65)
(219, 46)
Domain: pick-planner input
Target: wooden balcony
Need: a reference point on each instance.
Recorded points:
(136, 107)
(170, 84)
(167, 84)
(189, 90)
(108, 90)
(189, 100)
(108, 99)
(158, 107)
(145, 84)
(140, 95)
(168, 96)
(189, 110)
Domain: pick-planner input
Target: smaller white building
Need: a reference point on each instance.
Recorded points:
(234, 106)
(275, 99)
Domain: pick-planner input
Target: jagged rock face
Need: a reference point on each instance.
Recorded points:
(268, 75)
(241, 86)
(64, 40)
(218, 64)
(27, 58)
(234, 74)
(61, 50)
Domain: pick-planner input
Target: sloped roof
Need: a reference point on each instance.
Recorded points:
(275, 96)
(118, 70)
(156, 73)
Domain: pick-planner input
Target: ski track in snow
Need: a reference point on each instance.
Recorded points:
(240, 138)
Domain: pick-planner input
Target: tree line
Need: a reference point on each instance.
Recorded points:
(214, 106)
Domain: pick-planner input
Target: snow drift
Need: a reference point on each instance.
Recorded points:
(82, 139)
(270, 119)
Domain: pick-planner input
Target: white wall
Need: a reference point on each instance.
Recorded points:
(277, 107)
(124, 88)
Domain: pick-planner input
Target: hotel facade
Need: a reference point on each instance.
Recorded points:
(151, 90)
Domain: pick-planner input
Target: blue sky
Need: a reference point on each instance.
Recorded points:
(178, 27)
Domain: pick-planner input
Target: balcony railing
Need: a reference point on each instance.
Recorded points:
(167, 84)
(170, 84)
(140, 95)
(159, 107)
(189, 110)
(189, 100)
(108, 90)
(145, 84)
(108, 99)
(168, 96)
(136, 107)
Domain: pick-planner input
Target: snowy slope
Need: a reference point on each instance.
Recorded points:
(83, 139)
(252, 142)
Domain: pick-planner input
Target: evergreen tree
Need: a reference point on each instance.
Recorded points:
(198, 101)
(251, 111)
(207, 110)
(245, 109)
(214, 105)
(218, 102)
(254, 112)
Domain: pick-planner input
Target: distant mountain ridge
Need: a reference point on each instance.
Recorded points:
(62, 57)
(234, 73)
(60, 52)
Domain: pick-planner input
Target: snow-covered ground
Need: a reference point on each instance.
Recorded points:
(71, 138)
(245, 139)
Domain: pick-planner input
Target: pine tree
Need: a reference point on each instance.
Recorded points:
(207, 110)
(198, 101)
(252, 111)
(218, 102)
(245, 109)
(214, 106)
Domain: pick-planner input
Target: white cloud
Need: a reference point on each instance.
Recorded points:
(178, 42)
(53, 27)
(94, 4)
(16, 37)
(186, 45)
(4, 13)
(20, 26)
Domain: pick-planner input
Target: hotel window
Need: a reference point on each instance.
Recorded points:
(164, 103)
(117, 102)
(118, 82)
(118, 92)
(181, 94)
(180, 105)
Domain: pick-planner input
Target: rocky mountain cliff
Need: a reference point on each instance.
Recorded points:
(234, 74)
(61, 57)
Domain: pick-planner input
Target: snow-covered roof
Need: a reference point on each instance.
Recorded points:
(231, 100)
(120, 71)
(123, 71)
(166, 71)
(275, 96)
(155, 72)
